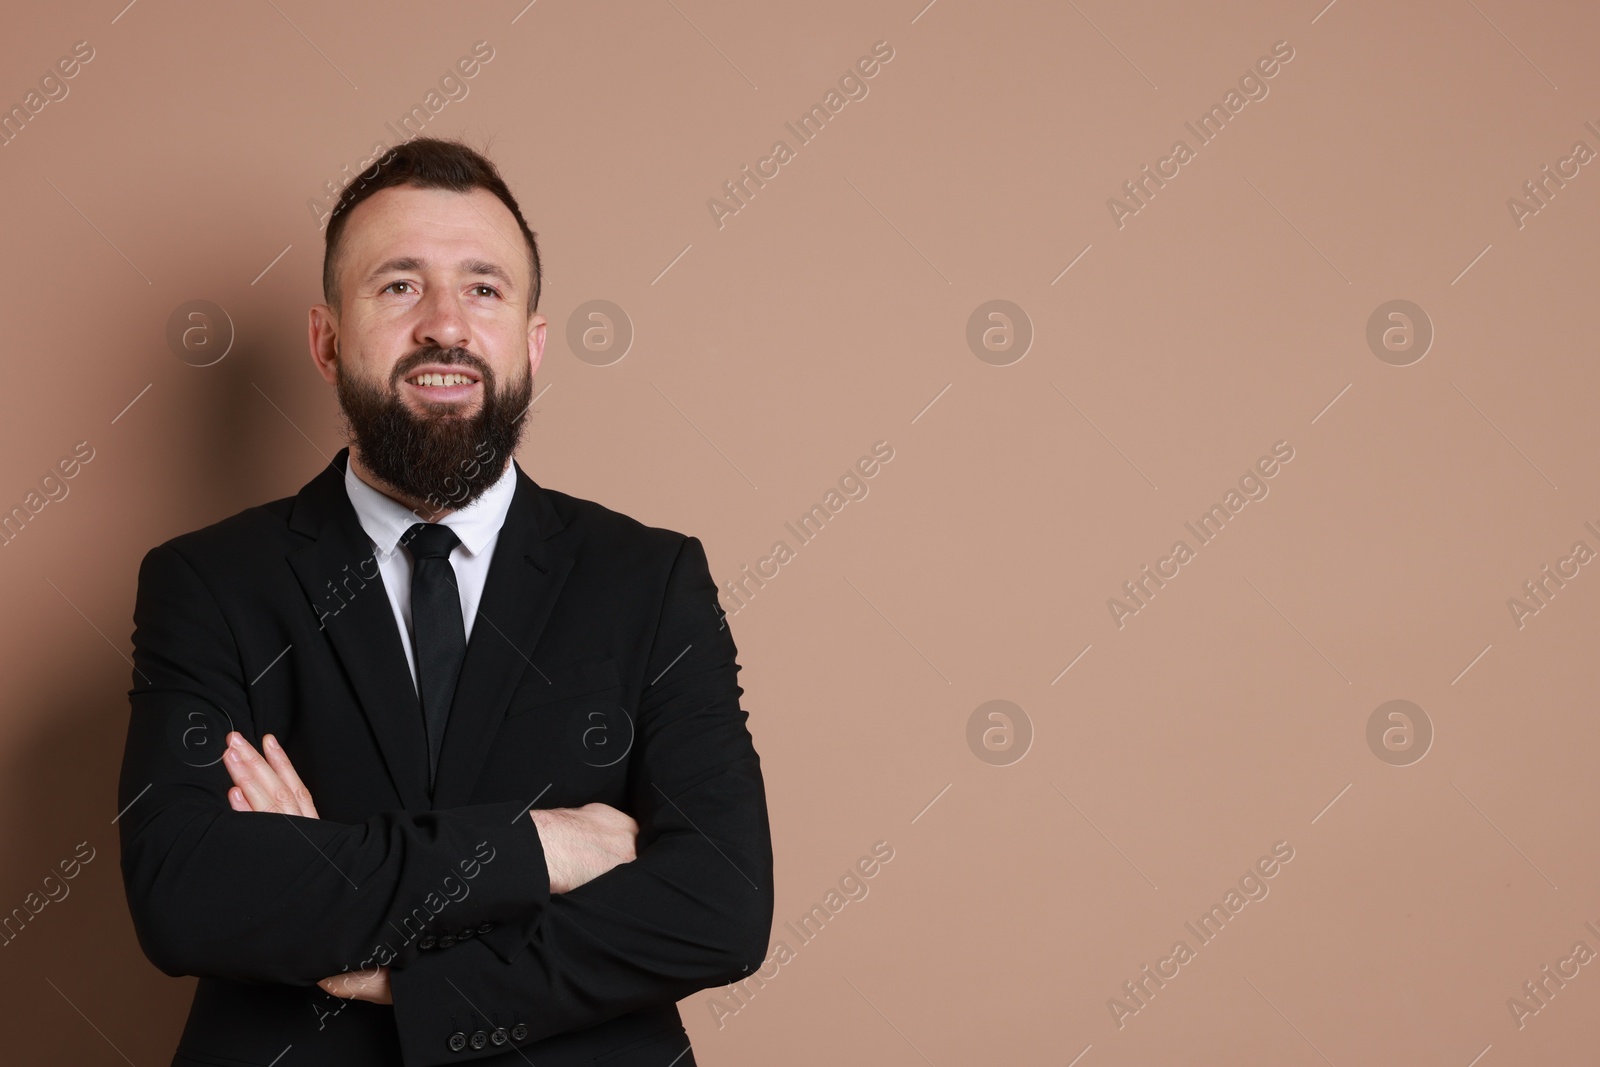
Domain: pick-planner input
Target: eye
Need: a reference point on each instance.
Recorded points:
(391, 285)
(490, 288)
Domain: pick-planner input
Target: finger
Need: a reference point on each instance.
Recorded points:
(279, 760)
(336, 986)
(253, 777)
(236, 799)
(371, 985)
(231, 766)
(261, 785)
(352, 985)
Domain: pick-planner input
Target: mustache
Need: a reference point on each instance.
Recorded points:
(450, 357)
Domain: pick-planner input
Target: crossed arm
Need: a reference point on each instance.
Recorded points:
(580, 844)
(584, 929)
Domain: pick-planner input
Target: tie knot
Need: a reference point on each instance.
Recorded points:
(430, 540)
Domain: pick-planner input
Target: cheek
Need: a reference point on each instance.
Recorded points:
(373, 344)
(500, 340)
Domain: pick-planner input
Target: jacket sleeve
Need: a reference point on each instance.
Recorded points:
(693, 910)
(264, 897)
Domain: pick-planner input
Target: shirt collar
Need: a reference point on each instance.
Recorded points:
(386, 520)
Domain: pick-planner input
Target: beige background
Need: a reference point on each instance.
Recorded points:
(830, 313)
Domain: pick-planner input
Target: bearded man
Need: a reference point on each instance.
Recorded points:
(429, 763)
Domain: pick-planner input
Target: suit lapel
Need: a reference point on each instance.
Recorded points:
(340, 577)
(525, 578)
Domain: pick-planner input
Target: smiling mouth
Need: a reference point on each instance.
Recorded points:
(443, 387)
(437, 381)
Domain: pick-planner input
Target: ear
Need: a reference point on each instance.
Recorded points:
(536, 334)
(323, 337)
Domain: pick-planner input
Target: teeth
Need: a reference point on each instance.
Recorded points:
(441, 379)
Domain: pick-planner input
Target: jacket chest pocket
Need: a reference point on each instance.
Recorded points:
(576, 712)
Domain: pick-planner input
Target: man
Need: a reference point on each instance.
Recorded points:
(428, 763)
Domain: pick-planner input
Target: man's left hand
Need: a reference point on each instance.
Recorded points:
(370, 985)
(271, 785)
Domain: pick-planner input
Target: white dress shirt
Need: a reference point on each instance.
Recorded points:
(386, 520)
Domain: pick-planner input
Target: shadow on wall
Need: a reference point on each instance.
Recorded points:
(69, 962)
(210, 441)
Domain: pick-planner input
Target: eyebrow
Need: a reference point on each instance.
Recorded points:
(480, 267)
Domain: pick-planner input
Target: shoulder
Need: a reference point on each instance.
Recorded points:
(621, 560)
(608, 530)
(240, 539)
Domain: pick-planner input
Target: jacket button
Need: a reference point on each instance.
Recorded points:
(519, 1032)
(479, 1039)
(458, 1041)
(485, 927)
(446, 941)
(426, 943)
(499, 1037)
(465, 932)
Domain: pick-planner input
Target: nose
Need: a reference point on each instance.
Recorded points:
(442, 322)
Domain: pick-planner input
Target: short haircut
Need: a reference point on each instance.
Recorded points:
(424, 163)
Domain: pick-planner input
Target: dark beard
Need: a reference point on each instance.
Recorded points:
(446, 460)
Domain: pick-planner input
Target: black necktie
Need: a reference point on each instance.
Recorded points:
(439, 634)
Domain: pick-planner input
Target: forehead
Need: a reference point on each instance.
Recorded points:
(437, 225)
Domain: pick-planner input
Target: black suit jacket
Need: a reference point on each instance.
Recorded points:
(600, 668)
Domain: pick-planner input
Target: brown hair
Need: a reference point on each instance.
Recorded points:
(425, 163)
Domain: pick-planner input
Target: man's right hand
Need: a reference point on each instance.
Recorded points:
(581, 844)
